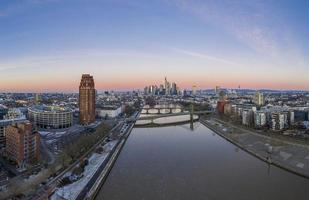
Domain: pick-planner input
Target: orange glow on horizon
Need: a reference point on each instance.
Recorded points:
(72, 86)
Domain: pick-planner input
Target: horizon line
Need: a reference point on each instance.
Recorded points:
(139, 89)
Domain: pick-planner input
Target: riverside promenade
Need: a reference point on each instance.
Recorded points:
(287, 155)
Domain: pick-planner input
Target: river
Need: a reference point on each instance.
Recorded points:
(177, 163)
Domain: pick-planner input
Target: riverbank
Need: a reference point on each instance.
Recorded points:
(286, 155)
(108, 167)
(98, 161)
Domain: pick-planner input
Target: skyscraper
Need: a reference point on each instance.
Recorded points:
(87, 97)
(217, 90)
(165, 84)
(194, 90)
(174, 89)
(259, 99)
(38, 98)
(167, 87)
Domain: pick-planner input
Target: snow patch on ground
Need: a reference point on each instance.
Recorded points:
(48, 133)
(44, 133)
(71, 191)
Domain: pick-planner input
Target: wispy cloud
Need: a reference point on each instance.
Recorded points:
(244, 19)
(204, 56)
(257, 24)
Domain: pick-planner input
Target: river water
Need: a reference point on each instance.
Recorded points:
(180, 164)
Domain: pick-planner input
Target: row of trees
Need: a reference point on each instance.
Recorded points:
(80, 146)
(196, 106)
(70, 154)
(130, 110)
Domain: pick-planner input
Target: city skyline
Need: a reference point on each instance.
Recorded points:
(47, 44)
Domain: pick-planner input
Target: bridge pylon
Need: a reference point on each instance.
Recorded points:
(191, 116)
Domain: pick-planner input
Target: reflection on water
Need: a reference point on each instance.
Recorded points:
(178, 163)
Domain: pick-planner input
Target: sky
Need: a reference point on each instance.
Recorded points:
(46, 45)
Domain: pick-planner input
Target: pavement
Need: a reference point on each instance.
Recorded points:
(291, 156)
(114, 135)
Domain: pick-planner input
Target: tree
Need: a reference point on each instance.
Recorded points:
(129, 110)
(150, 101)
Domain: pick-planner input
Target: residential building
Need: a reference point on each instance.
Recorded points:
(22, 144)
(247, 117)
(54, 117)
(220, 106)
(259, 99)
(109, 111)
(260, 119)
(278, 121)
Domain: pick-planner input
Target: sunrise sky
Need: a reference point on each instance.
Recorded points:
(45, 45)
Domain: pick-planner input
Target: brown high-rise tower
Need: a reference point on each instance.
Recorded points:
(87, 96)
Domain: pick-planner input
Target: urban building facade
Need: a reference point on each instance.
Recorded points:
(278, 121)
(217, 90)
(220, 106)
(22, 144)
(87, 99)
(12, 116)
(259, 99)
(260, 119)
(109, 111)
(164, 89)
(247, 117)
(50, 117)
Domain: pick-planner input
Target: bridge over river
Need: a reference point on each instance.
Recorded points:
(162, 109)
(152, 117)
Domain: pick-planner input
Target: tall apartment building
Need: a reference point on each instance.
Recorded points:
(278, 121)
(10, 116)
(217, 90)
(260, 119)
(22, 144)
(259, 99)
(247, 117)
(194, 90)
(228, 109)
(220, 107)
(87, 98)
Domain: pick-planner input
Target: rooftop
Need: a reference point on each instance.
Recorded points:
(46, 108)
